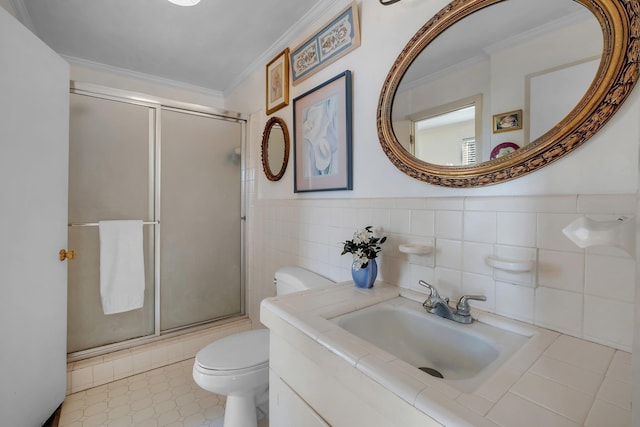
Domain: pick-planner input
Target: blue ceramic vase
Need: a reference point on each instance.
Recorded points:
(365, 277)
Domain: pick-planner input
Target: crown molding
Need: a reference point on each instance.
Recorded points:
(142, 76)
(301, 26)
(321, 8)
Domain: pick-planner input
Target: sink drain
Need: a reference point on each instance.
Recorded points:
(432, 372)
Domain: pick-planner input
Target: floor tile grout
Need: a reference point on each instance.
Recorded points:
(166, 396)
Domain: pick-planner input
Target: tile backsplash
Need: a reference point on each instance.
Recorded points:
(584, 293)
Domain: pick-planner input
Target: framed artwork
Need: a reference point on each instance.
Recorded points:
(505, 122)
(322, 130)
(278, 82)
(339, 37)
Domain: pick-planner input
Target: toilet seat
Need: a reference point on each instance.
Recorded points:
(235, 354)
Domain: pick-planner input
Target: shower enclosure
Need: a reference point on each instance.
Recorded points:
(178, 168)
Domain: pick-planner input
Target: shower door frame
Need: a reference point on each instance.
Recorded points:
(157, 104)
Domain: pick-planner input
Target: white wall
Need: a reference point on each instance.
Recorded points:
(443, 144)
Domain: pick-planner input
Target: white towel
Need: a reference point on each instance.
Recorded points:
(121, 266)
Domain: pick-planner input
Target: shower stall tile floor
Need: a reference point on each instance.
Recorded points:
(165, 396)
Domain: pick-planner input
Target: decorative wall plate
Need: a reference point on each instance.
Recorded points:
(503, 149)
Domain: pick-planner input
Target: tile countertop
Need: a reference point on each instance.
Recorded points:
(553, 380)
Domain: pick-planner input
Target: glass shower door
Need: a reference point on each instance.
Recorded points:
(200, 199)
(180, 172)
(110, 177)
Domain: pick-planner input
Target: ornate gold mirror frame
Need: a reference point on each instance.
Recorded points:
(616, 77)
(268, 166)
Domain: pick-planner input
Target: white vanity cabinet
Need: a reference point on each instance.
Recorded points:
(288, 409)
(311, 386)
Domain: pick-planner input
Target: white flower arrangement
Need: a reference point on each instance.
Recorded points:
(364, 246)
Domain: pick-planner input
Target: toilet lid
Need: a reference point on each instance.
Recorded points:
(237, 351)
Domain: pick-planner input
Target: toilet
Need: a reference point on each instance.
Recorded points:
(238, 365)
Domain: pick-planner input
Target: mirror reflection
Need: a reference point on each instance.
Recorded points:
(275, 148)
(534, 56)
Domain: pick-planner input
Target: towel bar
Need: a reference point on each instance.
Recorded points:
(95, 224)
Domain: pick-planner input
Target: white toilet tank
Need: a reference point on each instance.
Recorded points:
(294, 279)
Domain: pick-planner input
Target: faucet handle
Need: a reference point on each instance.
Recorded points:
(433, 292)
(463, 307)
(433, 295)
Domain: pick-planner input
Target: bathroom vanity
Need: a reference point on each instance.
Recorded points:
(321, 374)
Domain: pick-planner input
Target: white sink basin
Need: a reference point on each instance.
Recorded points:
(465, 355)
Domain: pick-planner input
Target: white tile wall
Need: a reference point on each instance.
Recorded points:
(516, 229)
(480, 227)
(449, 225)
(603, 318)
(514, 301)
(449, 254)
(477, 284)
(549, 232)
(474, 257)
(610, 277)
(559, 310)
(584, 293)
(561, 270)
(422, 223)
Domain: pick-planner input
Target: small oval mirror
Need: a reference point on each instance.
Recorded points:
(275, 148)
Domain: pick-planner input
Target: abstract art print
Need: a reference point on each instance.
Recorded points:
(323, 137)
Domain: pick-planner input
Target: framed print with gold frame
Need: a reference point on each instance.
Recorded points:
(505, 122)
(278, 82)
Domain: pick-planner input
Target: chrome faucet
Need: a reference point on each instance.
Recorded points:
(437, 305)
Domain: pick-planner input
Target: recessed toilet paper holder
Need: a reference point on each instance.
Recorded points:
(586, 232)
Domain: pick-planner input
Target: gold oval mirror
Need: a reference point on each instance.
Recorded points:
(582, 54)
(275, 148)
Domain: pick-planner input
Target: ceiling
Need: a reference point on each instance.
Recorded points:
(214, 45)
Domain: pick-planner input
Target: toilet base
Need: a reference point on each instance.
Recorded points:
(240, 411)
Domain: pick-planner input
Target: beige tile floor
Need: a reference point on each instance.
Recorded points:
(165, 396)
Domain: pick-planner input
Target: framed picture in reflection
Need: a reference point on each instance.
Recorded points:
(505, 122)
